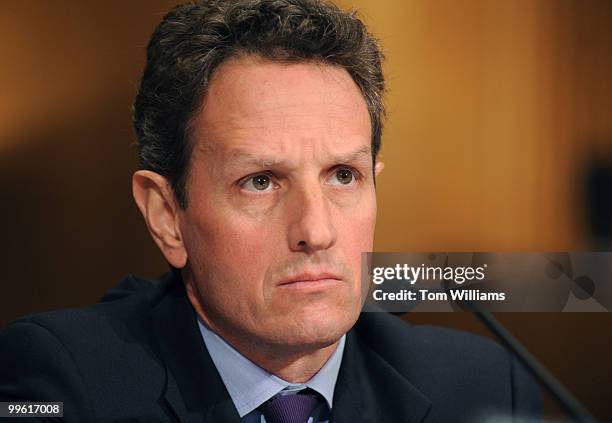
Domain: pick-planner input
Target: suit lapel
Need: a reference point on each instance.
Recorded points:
(194, 389)
(370, 390)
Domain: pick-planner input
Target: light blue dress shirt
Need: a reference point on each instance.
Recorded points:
(249, 385)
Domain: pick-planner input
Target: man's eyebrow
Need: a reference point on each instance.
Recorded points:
(355, 156)
(238, 156)
(246, 157)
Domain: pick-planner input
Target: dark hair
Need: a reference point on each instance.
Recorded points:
(193, 39)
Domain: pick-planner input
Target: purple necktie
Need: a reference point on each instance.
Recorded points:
(295, 408)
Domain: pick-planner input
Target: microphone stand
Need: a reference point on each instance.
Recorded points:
(569, 403)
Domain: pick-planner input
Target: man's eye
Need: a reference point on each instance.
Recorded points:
(342, 176)
(257, 183)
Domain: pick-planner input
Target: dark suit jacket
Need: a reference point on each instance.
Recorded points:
(139, 356)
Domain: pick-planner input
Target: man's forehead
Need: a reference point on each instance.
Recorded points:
(244, 92)
(304, 112)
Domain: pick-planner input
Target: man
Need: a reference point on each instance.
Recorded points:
(258, 125)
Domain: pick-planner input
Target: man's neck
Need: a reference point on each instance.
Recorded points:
(297, 368)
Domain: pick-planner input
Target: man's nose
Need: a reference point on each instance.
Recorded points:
(311, 224)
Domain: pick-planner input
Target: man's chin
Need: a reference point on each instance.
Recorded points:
(317, 331)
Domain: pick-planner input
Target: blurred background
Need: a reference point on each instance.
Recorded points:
(498, 138)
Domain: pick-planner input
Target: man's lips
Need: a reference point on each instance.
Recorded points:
(309, 279)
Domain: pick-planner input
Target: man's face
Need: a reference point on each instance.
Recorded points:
(281, 204)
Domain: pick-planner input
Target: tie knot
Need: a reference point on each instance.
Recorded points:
(291, 408)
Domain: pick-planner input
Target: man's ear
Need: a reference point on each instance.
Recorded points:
(155, 199)
(378, 168)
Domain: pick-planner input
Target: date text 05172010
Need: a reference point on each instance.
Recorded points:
(31, 409)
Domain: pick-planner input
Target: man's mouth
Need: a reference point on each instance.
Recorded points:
(310, 279)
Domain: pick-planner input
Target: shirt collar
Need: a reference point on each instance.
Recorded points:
(249, 385)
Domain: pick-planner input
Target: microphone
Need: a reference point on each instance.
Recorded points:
(567, 401)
